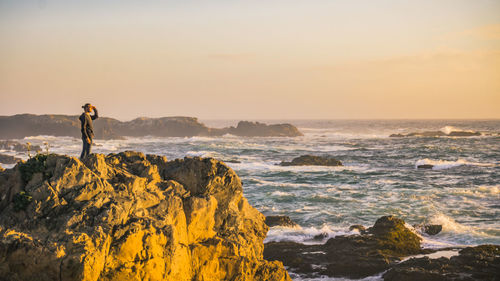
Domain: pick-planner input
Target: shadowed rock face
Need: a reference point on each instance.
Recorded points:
(311, 160)
(22, 125)
(128, 216)
(354, 256)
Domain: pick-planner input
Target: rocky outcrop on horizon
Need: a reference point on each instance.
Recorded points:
(23, 125)
(129, 216)
(312, 160)
(257, 129)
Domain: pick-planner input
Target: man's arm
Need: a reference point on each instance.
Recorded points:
(96, 115)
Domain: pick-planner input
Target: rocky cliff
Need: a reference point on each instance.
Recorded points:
(23, 125)
(129, 216)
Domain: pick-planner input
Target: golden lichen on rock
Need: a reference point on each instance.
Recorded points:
(130, 216)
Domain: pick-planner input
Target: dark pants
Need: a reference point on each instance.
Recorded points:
(86, 148)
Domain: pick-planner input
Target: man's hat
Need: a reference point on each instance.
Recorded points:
(85, 105)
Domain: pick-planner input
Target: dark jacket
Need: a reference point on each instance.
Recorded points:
(86, 121)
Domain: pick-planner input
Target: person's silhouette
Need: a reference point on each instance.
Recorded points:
(87, 128)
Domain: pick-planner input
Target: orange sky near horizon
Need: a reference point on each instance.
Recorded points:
(252, 59)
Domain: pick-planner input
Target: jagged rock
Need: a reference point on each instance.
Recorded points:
(425, 166)
(280, 221)
(8, 159)
(472, 263)
(257, 129)
(18, 147)
(22, 125)
(431, 229)
(311, 160)
(129, 216)
(354, 256)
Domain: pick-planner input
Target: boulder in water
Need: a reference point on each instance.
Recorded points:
(129, 216)
(280, 221)
(431, 229)
(354, 256)
(473, 263)
(425, 166)
(8, 159)
(311, 160)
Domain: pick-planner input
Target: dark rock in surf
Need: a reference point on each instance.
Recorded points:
(7, 159)
(425, 166)
(353, 256)
(473, 263)
(257, 129)
(358, 227)
(17, 146)
(311, 160)
(431, 229)
(280, 221)
(464, 134)
(320, 236)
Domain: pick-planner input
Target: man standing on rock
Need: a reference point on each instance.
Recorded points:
(87, 128)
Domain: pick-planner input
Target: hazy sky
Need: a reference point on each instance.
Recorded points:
(252, 59)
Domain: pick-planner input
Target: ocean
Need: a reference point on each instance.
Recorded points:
(379, 176)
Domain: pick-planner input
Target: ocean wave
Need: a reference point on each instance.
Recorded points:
(448, 129)
(304, 235)
(282, 194)
(443, 164)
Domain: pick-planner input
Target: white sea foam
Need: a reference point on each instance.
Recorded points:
(282, 194)
(448, 129)
(443, 164)
(304, 235)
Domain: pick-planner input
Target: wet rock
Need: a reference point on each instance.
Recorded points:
(320, 236)
(354, 256)
(431, 229)
(7, 159)
(425, 166)
(17, 146)
(464, 134)
(280, 221)
(472, 263)
(129, 216)
(311, 160)
(358, 227)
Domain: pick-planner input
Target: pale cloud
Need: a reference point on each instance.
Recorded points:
(485, 32)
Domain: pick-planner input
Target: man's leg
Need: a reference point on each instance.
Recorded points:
(89, 147)
(85, 150)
